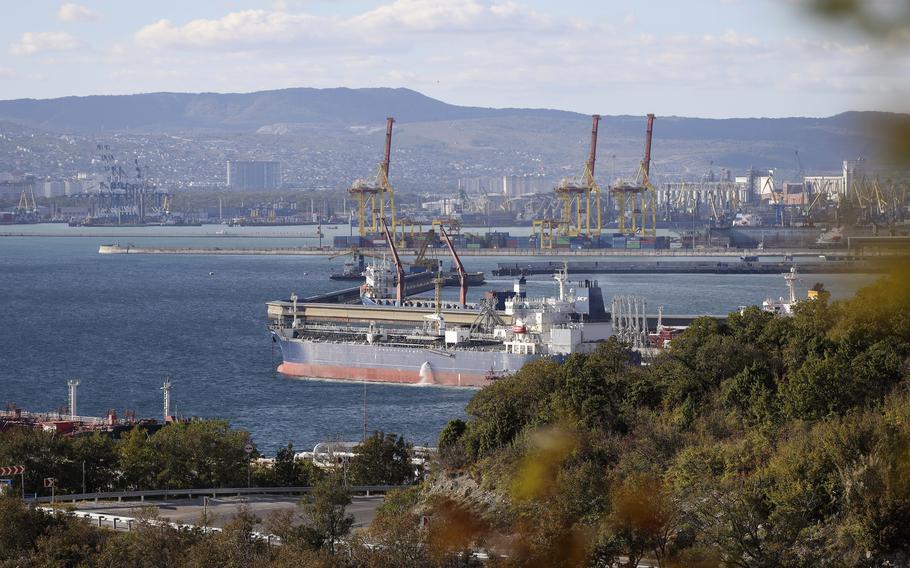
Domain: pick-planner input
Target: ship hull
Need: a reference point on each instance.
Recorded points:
(395, 364)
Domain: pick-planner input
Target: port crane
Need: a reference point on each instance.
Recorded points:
(462, 275)
(27, 204)
(571, 192)
(630, 197)
(376, 199)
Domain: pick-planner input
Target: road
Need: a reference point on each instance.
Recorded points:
(222, 510)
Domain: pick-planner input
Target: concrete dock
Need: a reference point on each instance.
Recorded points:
(326, 251)
(689, 267)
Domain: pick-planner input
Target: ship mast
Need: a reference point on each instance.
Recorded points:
(790, 277)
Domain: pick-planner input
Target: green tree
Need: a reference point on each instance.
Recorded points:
(326, 511)
(236, 546)
(201, 453)
(42, 453)
(382, 459)
(97, 453)
(21, 527)
(503, 409)
(138, 460)
(285, 467)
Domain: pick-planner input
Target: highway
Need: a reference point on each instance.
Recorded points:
(220, 511)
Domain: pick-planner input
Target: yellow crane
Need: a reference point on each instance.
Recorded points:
(376, 199)
(571, 194)
(631, 198)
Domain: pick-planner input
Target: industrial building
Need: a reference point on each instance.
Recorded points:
(253, 175)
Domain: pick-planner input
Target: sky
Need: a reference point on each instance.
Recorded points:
(705, 58)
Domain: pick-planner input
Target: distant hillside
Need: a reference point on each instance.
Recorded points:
(241, 111)
(324, 135)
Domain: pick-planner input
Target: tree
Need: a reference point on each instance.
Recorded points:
(382, 459)
(21, 527)
(98, 453)
(326, 508)
(201, 453)
(452, 433)
(285, 467)
(645, 518)
(138, 460)
(149, 544)
(235, 547)
(42, 453)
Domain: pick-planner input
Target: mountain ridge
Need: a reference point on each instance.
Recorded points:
(163, 111)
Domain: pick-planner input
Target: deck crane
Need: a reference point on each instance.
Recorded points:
(374, 197)
(462, 275)
(399, 268)
(420, 258)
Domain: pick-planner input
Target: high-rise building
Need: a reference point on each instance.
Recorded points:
(54, 189)
(253, 175)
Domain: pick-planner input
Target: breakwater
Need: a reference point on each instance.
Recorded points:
(325, 251)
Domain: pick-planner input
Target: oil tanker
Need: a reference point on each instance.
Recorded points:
(435, 342)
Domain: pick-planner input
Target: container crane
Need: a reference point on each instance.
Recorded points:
(399, 268)
(376, 197)
(462, 275)
(628, 195)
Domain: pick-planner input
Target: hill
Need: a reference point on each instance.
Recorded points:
(323, 135)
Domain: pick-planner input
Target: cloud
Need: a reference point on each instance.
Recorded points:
(71, 12)
(452, 16)
(386, 24)
(236, 29)
(41, 42)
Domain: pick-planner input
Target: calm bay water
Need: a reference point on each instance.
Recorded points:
(121, 323)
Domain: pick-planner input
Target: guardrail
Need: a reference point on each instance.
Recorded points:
(190, 493)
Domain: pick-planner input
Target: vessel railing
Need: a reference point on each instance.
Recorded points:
(61, 417)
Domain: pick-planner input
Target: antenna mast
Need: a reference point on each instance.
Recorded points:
(166, 388)
(72, 396)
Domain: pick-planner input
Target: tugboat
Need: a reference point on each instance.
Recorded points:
(353, 269)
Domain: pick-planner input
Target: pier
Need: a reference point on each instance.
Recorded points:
(689, 267)
(494, 252)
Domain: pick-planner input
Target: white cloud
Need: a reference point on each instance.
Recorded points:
(387, 24)
(499, 52)
(41, 42)
(453, 15)
(71, 12)
(236, 29)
